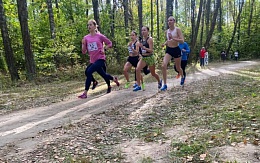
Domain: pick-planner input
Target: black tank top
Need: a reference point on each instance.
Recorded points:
(145, 44)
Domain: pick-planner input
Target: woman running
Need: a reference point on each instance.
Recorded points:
(184, 58)
(132, 60)
(93, 44)
(174, 36)
(146, 58)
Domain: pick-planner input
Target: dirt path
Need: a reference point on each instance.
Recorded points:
(20, 127)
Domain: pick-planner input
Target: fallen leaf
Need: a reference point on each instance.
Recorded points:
(203, 156)
(245, 141)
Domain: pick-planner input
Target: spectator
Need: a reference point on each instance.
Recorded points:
(202, 56)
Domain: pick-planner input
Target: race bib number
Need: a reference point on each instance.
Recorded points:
(92, 46)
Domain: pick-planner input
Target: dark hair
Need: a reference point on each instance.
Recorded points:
(146, 28)
(134, 32)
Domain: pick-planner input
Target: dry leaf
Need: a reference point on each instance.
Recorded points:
(213, 137)
(245, 141)
(203, 156)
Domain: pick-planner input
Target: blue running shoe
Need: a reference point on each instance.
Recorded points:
(137, 88)
(135, 85)
(160, 84)
(182, 80)
(164, 87)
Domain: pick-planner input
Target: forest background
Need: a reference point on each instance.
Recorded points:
(42, 38)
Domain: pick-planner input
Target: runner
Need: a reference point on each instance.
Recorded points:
(174, 36)
(146, 58)
(93, 44)
(132, 60)
(184, 58)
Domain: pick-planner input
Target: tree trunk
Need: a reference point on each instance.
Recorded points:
(96, 12)
(250, 17)
(140, 15)
(196, 28)
(176, 11)
(9, 55)
(220, 23)
(202, 23)
(212, 27)
(126, 18)
(208, 13)
(151, 4)
(113, 19)
(29, 58)
(158, 21)
(235, 27)
(51, 18)
(87, 8)
(192, 20)
(169, 9)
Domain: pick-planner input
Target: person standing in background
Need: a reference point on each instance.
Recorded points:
(202, 56)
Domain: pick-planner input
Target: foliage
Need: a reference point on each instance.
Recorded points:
(70, 26)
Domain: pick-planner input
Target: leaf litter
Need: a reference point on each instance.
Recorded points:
(218, 110)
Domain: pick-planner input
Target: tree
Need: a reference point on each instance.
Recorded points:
(235, 26)
(250, 17)
(212, 27)
(169, 8)
(126, 18)
(29, 58)
(140, 15)
(51, 18)
(96, 12)
(9, 55)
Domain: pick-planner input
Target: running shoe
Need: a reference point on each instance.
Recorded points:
(135, 85)
(109, 89)
(137, 88)
(95, 83)
(84, 95)
(116, 81)
(160, 84)
(143, 86)
(164, 87)
(182, 80)
(178, 76)
(127, 84)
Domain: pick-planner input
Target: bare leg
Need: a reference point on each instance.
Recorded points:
(166, 60)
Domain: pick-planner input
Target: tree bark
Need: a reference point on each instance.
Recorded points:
(140, 15)
(29, 58)
(126, 18)
(9, 55)
(169, 9)
(207, 14)
(212, 27)
(235, 27)
(51, 18)
(250, 17)
(96, 12)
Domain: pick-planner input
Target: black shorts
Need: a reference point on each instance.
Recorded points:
(133, 60)
(174, 52)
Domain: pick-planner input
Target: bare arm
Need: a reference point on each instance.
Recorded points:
(83, 46)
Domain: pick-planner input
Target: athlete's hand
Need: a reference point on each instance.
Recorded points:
(184, 50)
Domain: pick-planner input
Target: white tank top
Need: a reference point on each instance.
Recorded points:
(174, 33)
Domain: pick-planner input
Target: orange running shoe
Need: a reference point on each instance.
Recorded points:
(178, 76)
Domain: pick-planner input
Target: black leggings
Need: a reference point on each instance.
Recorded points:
(104, 68)
(183, 66)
